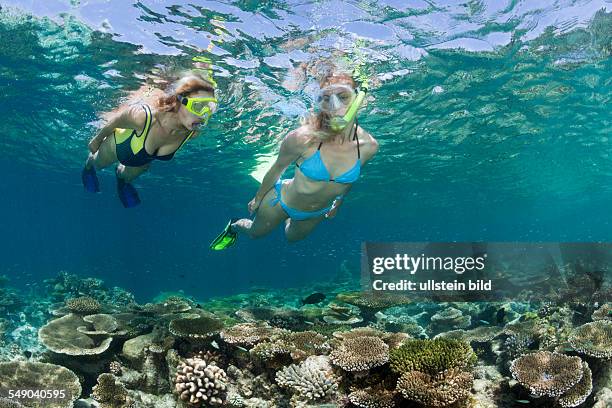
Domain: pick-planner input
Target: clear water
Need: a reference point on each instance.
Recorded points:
(493, 119)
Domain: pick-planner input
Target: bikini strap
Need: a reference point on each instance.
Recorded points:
(186, 139)
(356, 138)
(148, 120)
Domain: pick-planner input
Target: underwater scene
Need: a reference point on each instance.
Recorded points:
(318, 203)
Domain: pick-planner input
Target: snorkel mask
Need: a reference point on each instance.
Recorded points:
(203, 107)
(336, 96)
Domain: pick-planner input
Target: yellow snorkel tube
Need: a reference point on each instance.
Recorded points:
(337, 123)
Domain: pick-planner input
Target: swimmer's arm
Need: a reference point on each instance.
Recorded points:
(130, 117)
(291, 148)
(369, 148)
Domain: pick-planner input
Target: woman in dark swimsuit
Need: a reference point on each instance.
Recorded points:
(152, 127)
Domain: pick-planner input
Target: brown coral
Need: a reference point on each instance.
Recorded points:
(195, 328)
(248, 334)
(110, 393)
(547, 374)
(360, 353)
(579, 392)
(593, 339)
(373, 398)
(83, 305)
(439, 390)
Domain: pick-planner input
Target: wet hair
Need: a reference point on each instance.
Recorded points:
(192, 82)
(319, 122)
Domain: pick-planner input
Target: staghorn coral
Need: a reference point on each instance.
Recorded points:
(603, 313)
(360, 353)
(579, 392)
(593, 339)
(431, 356)
(84, 305)
(547, 374)
(195, 328)
(248, 334)
(311, 380)
(22, 375)
(110, 393)
(270, 350)
(438, 390)
(304, 344)
(199, 382)
(372, 398)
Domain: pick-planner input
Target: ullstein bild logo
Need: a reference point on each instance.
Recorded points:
(482, 271)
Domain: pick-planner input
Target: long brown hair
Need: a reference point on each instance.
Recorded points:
(320, 122)
(189, 84)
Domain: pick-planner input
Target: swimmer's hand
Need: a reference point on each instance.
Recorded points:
(333, 211)
(94, 145)
(254, 205)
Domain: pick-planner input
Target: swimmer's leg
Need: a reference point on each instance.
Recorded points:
(126, 191)
(298, 230)
(103, 157)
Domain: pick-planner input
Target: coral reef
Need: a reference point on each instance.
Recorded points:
(360, 353)
(199, 382)
(373, 398)
(439, 390)
(111, 394)
(593, 339)
(311, 380)
(62, 336)
(431, 356)
(195, 328)
(545, 374)
(83, 305)
(40, 377)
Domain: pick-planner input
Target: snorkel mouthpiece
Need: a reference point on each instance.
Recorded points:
(337, 123)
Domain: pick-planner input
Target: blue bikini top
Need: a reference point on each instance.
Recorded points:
(314, 168)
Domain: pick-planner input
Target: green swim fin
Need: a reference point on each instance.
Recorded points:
(226, 239)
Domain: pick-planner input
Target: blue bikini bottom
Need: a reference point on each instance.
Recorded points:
(294, 214)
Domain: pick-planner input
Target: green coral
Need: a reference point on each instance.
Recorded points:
(431, 356)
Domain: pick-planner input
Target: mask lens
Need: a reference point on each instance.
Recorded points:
(199, 106)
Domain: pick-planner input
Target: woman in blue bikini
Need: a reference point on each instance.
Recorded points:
(329, 151)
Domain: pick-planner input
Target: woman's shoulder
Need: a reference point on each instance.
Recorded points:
(300, 137)
(367, 142)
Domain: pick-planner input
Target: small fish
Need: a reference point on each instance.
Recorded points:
(523, 401)
(310, 323)
(568, 349)
(313, 299)
(242, 348)
(577, 312)
(214, 344)
(484, 322)
(501, 313)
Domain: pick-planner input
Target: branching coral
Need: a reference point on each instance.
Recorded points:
(439, 390)
(360, 353)
(373, 398)
(311, 380)
(431, 356)
(593, 339)
(199, 382)
(547, 374)
(84, 305)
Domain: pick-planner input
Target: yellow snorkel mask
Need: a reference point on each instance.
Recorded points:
(203, 107)
(337, 123)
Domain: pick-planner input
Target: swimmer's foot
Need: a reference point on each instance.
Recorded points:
(226, 239)
(127, 194)
(90, 180)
